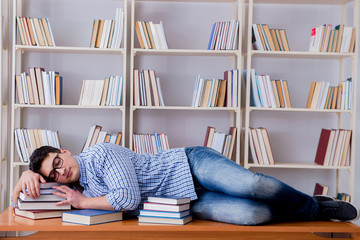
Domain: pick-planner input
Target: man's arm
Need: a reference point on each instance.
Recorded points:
(28, 181)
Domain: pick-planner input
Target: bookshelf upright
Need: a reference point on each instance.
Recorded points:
(285, 124)
(75, 61)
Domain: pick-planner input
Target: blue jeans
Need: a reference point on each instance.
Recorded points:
(230, 193)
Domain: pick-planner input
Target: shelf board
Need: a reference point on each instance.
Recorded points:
(186, 52)
(310, 2)
(20, 164)
(68, 106)
(192, 1)
(300, 54)
(185, 108)
(62, 49)
(299, 110)
(297, 166)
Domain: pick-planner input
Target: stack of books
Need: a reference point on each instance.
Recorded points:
(260, 147)
(326, 38)
(108, 33)
(221, 142)
(224, 35)
(98, 135)
(217, 92)
(91, 216)
(166, 210)
(39, 87)
(151, 35)
(147, 90)
(333, 147)
(43, 206)
(268, 93)
(35, 31)
(27, 140)
(150, 143)
(266, 39)
(343, 197)
(323, 96)
(107, 92)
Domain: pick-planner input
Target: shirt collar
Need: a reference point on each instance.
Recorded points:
(83, 179)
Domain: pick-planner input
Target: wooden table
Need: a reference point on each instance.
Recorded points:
(198, 229)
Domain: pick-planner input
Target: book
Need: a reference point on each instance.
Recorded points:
(320, 189)
(322, 146)
(151, 213)
(91, 216)
(166, 207)
(39, 214)
(165, 220)
(168, 199)
(41, 205)
(42, 197)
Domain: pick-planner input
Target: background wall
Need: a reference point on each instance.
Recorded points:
(293, 136)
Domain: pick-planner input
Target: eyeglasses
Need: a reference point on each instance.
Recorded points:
(56, 164)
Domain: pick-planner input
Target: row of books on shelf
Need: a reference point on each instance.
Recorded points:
(166, 210)
(98, 135)
(323, 96)
(107, 92)
(150, 143)
(108, 33)
(266, 39)
(224, 35)
(321, 189)
(151, 35)
(333, 147)
(39, 87)
(221, 142)
(268, 93)
(27, 140)
(35, 31)
(260, 148)
(329, 38)
(147, 90)
(217, 92)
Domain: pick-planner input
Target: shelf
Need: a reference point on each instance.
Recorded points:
(300, 110)
(297, 166)
(191, 1)
(301, 54)
(310, 2)
(185, 52)
(185, 108)
(122, 108)
(59, 49)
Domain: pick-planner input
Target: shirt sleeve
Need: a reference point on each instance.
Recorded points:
(120, 178)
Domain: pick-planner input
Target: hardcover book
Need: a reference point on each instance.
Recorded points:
(165, 220)
(150, 213)
(91, 216)
(166, 207)
(38, 214)
(169, 199)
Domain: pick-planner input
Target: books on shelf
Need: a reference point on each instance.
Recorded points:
(333, 147)
(108, 33)
(324, 96)
(39, 87)
(320, 189)
(38, 214)
(217, 92)
(91, 216)
(97, 135)
(107, 92)
(151, 35)
(260, 147)
(176, 211)
(35, 31)
(266, 39)
(150, 143)
(343, 197)
(27, 140)
(147, 90)
(329, 38)
(268, 93)
(224, 35)
(222, 142)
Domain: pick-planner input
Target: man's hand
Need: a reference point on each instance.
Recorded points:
(73, 197)
(28, 184)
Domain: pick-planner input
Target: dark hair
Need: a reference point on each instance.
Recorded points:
(39, 155)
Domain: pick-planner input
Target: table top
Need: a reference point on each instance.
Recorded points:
(11, 222)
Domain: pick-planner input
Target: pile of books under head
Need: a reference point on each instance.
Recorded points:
(43, 206)
(166, 210)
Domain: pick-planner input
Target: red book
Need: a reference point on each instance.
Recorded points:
(322, 146)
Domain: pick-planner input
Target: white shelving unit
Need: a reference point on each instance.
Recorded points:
(181, 48)
(345, 118)
(73, 127)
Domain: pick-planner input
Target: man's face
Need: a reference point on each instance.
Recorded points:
(61, 167)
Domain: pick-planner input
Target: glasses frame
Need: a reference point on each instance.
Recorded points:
(53, 171)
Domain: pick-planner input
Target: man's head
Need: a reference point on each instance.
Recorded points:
(55, 164)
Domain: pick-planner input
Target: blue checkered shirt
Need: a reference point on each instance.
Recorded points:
(127, 178)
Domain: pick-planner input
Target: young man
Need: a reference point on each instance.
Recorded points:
(114, 177)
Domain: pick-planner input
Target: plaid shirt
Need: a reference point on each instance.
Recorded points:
(127, 178)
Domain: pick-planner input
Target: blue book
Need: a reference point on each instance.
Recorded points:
(165, 220)
(211, 36)
(152, 213)
(91, 216)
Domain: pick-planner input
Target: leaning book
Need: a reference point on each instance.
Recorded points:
(91, 216)
(165, 220)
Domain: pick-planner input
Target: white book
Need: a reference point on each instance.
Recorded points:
(270, 91)
(142, 89)
(101, 137)
(142, 31)
(121, 29)
(120, 90)
(88, 139)
(258, 42)
(105, 33)
(50, 31)
(197, 82)
(323, 95)
(254, 87)
(235, 86)
(262, 147)
(160, 92)
(24, 88)
(110, 91)
(155, 35)
(161, 33)
(235, 37)
(262, 91)
(42, 197)
(47, 88)
(252, 149)
(114, 41)
(18, 146)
